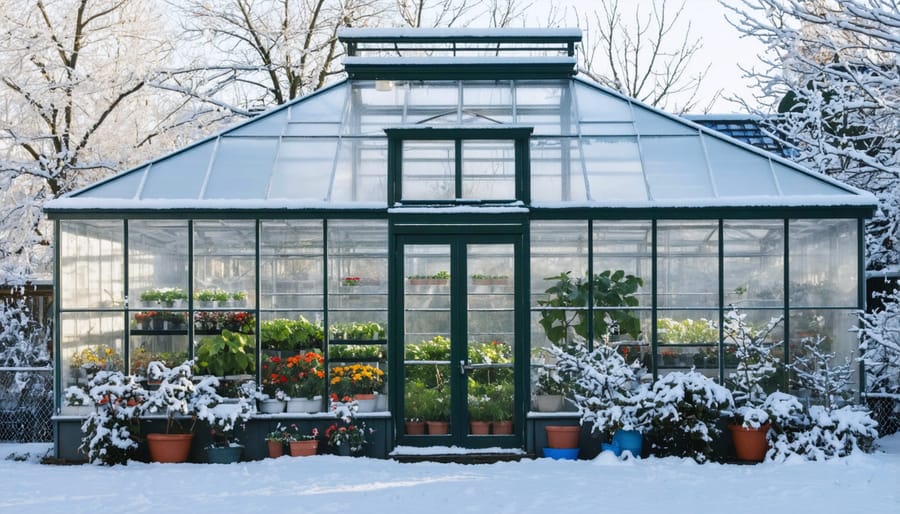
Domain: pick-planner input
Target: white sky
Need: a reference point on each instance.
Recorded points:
(723, 46)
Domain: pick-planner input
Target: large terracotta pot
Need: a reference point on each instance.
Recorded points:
(304, 448)
(479, 427)
(169, 447)
(562, 436)
(438, 427)
(750, 444)
(276, 448)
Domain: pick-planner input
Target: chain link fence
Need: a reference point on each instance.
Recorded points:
(885, 409)
(26, 404)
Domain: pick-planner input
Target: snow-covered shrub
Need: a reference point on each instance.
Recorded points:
(818, 434)
(23, 343)
(880, 345)
(606, 388)
(814, 369)
(111, 432)
(682, 410)
(178, 394)
(756, 364)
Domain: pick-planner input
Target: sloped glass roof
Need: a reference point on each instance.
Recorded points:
(590, 146)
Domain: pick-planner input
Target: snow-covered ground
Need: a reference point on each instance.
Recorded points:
(860, 483)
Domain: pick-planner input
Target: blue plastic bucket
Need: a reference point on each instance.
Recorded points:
(561, 453)
(627, 440)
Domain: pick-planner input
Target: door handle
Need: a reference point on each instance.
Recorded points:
(462, 367)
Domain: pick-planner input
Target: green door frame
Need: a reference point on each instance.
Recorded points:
(457, 237)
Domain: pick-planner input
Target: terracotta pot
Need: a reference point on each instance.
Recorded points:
(562, 436)
(479, 427)
(304, 448)
(276, 448)
(750, 444)
(169, 447)
(438, 427)
(502, 427)
(415, 427)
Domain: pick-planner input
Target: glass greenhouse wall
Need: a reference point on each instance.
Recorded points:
(435, 235)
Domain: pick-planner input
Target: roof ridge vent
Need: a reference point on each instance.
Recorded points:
(426, 53)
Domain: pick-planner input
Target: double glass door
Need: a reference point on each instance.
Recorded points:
(459, 335)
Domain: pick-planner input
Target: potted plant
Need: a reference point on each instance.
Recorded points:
(272, 397)
(756, 365)
(300, 444)
(223, 419)
(239, 298)
(357, 331)
(179, 398)
(480, 412)
(480, 279)
(229, 355)
(275, 441)
(501, 411)
(346, 436)
(77, 402)
(436, 409)
(305, 381)
(205, 298)
(437, 279)
(551, 390)
(414, 408)
(359, 381)
(350, 281)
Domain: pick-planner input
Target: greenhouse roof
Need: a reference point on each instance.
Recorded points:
(590, 147)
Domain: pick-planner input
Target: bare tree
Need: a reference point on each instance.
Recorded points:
(75, 106)
(829, 87)
(454, 13)
(643, 54)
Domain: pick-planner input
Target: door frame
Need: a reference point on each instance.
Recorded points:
(457, 235)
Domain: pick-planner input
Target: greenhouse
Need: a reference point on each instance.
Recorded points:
(461, 202)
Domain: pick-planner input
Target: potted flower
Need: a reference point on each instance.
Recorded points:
(90, 360)
(223, 419)
(350, 281)
(359, 381)
(272, 398)
(275, 441)
(305, 374)
(346, 436)
(241, 321)
(179, 398)
(300, 444)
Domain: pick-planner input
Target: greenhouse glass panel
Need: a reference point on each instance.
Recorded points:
(675, 167)
(157, 264)
(655, 123)
(827, 332)
(547, 106)
(90, 342)
(313, 129)
(596, 105)
(492, 101)
(688, 338)
(432, 100)
(361, 174)
(753, 263)
(242, 168)
(737, 172)
(613, 168)
(797, 183)
(123, 186)
(489, 170)
(225, 260)
(626, 246)
(556, 173)
(92, 264)
(181, 175)
(687, 264)
(606, 129)
(326, 106)
(303, 168)
(824, 264)
(291, 264)
(268, 124)
(429, 170)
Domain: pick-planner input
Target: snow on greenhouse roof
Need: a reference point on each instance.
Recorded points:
(591, 147)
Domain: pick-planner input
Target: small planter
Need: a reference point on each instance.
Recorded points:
(415, 427)
(548, 402)
(270, 406)
(502, 427)
(309, 405)
(750, 444)
(224, 455)
(479, 427)
(562, 436)
(438, 427)
(304, 448)
(169, 447)
(276, 448)
(366, 402)
(630, 440)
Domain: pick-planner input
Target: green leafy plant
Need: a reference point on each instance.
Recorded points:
(435, 404)
(435, 349)
(414, 401)
(568, 305)
(239, 296)
(286, 334)
(357, 331)
(687, 331)
(361, 352)
(229, 353)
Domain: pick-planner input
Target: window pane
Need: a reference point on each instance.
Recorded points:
(738, 172)
(824, 263)
(92, 264)
(303, 168)
(675, 167)
(291, 265)
(556, 174)
(157, 263)
(90, 342)
(489, 170)
(242, 168)
(754, 263)
(361, 173)
(613, 167)
(688, 264)
(429, 170)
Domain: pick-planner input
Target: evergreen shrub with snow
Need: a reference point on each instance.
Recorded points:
(606, 388)
(112, 431)
(880, 346)
(682, 410)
